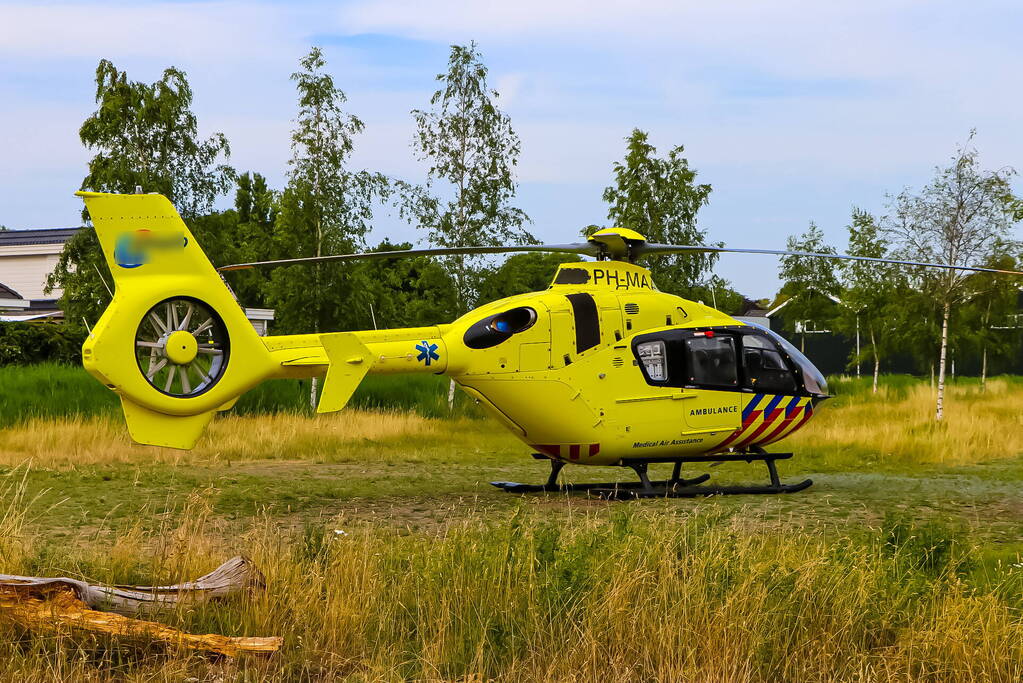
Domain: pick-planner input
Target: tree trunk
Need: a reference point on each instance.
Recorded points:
(983, 364)
(939, 409)
(62, 605)
(312, 392)
(983, 369)
(451, 396)
(877, 359)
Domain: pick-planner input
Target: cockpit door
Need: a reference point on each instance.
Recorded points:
(705, 369)
(711, 369)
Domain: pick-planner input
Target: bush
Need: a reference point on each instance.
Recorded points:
(35, 342)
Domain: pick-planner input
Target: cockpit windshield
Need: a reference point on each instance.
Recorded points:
(812, 377)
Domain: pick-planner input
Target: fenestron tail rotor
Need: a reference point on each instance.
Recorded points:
(182, 347)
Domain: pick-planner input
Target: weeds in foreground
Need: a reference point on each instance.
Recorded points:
(640, 594)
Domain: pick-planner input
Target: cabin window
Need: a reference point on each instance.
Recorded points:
(711, 361)
(765, 368)
(587, 321)
(654, 359)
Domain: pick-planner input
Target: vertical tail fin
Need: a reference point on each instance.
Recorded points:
(173, 343)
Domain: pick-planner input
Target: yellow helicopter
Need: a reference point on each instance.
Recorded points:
(601, 368)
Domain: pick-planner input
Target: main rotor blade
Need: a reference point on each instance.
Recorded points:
(576, 248)
(647, 249)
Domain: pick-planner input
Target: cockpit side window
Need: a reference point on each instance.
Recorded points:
(765, 368)
(710, 361)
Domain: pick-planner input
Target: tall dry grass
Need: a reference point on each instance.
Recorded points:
(644, 594)
(896, 426)
(350, 434)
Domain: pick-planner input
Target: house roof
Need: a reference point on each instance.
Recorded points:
(44, 236)
(8, 293)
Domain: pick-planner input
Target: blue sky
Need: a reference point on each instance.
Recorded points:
(794, 110)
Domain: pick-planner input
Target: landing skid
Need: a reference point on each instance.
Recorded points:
(675, 487)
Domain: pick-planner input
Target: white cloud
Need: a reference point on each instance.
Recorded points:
(194, 31)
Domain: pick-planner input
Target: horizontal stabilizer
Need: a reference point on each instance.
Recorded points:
(350, 360)
(159, 429)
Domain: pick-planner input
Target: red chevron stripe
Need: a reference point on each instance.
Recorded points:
(807, 414)
(768, 419)
(745, 425)
(781, 428)
(594, 449)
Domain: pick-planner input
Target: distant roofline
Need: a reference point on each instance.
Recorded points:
(8, 292)
(11, 238)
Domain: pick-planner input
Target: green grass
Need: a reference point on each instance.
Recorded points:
(50, 390)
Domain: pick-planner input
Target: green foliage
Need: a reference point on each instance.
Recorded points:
(52, 390)
(986, 323)
(145, 136)
(871, 305)
(34, 342)
(405, 292)
(521, 273)
(718, 292)
(659, 198)
(325, 209)
(472, 148)
(242, 235)
(809, 284)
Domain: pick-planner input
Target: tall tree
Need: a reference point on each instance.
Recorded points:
(325, 209)
(991, 303)
(809, 284)
(957, 219)
(406, 292)
(242, 234)
(869, 290)
(472, 149)
(145, 136)
(659, 197)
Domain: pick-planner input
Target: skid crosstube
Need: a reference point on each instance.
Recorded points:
(675, 487)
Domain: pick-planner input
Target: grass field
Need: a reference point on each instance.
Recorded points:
(902, 562)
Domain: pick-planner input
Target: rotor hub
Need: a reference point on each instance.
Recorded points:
(181, 347)
(617, 244)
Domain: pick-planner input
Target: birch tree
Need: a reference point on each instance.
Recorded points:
(472, 151)
(326, 208)
(957, 219)
(146, 136)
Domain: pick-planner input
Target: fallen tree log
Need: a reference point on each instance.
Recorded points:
(234, 577)
(55, 604)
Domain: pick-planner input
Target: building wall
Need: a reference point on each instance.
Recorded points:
(24, 268)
